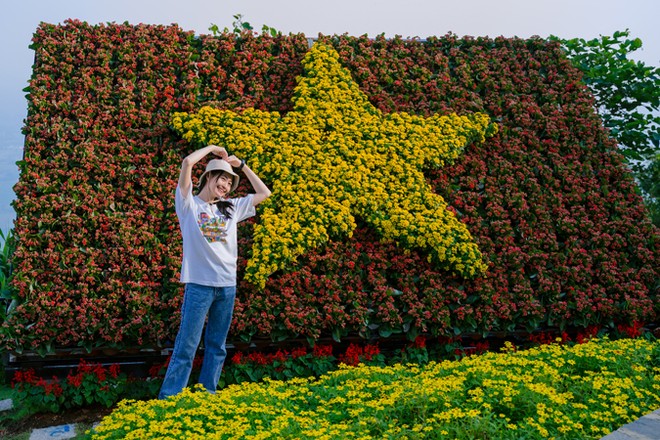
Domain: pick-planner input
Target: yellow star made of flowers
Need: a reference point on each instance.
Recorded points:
(336, 157)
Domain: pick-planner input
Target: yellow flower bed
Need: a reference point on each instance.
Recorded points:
(550, 392)
(336, 157)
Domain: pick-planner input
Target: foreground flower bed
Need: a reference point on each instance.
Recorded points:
(553, 391)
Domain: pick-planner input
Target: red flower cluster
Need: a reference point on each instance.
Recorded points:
(322, 351)
(240, 358)
(548, 199)
(90, 383)
(420, 342)
(356, 354)
(27, 378)
(548, 337)
(85, 368)
(478, 348)
(633, 330)
(266, 359)
(588, 333)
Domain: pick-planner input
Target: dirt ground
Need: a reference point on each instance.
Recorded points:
(87, 415)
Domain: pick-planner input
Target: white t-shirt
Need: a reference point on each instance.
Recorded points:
(210, 243)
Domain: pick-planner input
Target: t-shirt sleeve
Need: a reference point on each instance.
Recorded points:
(243, 208)
(183, 202)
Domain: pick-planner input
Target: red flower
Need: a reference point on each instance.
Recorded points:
(24, 377)
(280, 356)
(632, 331)
(258, 358)
(75, 379)
(352, 355)
(370, 351)
(298, 352)
(237, 358)
(420, 342)
(114, 370)
(158, 370)
(322, 350)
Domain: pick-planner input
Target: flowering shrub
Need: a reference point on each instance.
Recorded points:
(546, 200)
(357, 354)
(92, 383)
(88, 384)
(284, 364)
(553, 391)
(281, 365)
(335, 157)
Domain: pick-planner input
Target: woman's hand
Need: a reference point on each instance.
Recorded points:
(233, 161)
(219, 151)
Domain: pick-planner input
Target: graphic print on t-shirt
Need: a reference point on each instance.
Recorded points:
(213, 228)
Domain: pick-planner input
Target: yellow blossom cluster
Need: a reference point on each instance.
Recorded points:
(537, 392)
(335, 158)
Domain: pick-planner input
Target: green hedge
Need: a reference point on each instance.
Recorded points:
(547, 199)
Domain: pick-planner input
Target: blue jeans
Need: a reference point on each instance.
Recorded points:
(198, 301)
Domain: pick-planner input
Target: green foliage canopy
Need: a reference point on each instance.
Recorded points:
(627, 91)
(627, 96)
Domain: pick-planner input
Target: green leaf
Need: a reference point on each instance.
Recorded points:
(336, 334)
(385, 332)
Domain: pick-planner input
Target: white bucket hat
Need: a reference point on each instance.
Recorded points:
(221, 165)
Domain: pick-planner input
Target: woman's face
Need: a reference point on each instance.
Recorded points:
(221, 185)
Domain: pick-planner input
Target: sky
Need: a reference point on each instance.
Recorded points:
(410, 18)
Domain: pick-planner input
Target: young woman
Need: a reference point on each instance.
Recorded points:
(208, 225)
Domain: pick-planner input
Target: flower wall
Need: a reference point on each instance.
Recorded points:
(335, 158)
(547, 199)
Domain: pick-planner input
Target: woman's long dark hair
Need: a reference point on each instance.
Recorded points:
(224, 206)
